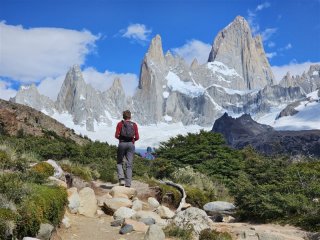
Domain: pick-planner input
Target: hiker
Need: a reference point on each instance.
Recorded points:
(148, 155)
(127, 133)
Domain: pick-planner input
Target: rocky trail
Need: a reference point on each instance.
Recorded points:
(98, 226)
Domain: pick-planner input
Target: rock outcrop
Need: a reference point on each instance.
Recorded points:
(244, 131)
(235, 47)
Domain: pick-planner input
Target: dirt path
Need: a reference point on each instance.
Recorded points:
(85, 228)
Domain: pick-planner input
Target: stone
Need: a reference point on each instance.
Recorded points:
(121, 191)
(219, 207)
(102, 199)
(58, 182)
(123, 212)
(111, 205)
(74, 200)
(30, 238)
(193, 216)
(45, 231)
(137, 226)
(148, 221)
(147, 214)
(66, 222)
(228, 219)
(137, 205)
(165, 212)
(153, 202)
(117, 223)
(88, 202)
(58, 172)
(126, 229)
(154, 233)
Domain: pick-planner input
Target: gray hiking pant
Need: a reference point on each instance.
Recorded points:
(125, 150)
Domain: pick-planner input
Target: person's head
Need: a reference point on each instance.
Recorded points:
(149, 149)
(126, 115)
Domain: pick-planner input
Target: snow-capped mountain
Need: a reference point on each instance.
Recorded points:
(236, 79)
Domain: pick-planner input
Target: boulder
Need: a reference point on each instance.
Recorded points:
(58, 182)
(165, 212)
(137, 205)
(74, 200)
(30, 238)
(185, 206)
(58, 172)
(137, 226)
(219, 207)
(88, 202)
(123, 212)
(121, 191)
(154, 233)
(100, 213)
(147, 221)
(193, 216)
(45, 231)
(147, 214)
(153, 202)
(102, 199)
(117, 223)
(111, 205)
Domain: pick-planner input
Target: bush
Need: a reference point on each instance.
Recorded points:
(7, 223)
(41, 171)
(197, 197)
(7, 157)
(180, 233)
(208, 234)
(45, 204)
(79, 170)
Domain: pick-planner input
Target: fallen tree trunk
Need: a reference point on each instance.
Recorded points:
(181, 190)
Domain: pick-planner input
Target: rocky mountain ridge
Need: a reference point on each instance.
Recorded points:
(244, 131)
(18, 119)
(171, 91)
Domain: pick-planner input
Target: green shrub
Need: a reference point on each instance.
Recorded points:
(7, 157)
(79, 170)
(13, 187)
(197, 197)
(7, 223)
(208, 234)
(179, 233)
(45, 204)
(44, 169)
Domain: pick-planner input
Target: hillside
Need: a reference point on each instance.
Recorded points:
(17, 119)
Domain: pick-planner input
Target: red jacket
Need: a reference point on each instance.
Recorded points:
(135, 127)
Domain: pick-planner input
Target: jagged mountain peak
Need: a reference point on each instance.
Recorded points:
(155, 51)
(235, 47)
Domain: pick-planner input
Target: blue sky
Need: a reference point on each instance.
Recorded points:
(41, 39)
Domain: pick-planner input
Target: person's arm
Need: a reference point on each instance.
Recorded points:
(136, 132)
(118, 130)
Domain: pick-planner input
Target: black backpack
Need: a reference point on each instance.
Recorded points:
(127, 131)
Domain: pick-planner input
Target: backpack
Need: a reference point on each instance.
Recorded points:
(127, 131)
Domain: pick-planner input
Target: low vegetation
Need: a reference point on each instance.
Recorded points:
(264, 189)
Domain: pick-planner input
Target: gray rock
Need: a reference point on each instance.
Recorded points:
(88, 202)
(147, 221)
(117, 223)
(192, 216)
(126, 229)
(153, 202)
(45, 231)
(154, 233)
(219, 207)
(123, 212)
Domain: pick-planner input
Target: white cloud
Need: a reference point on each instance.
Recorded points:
(103, 81)
(194, 49)
(294, 68)
(271, 44)
(29, 55)
(5, 91)
(262, 6)
(50, 87)
(267, 33)
(271, 55)
(137, 32)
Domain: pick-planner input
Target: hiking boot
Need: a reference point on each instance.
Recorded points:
(121, 182)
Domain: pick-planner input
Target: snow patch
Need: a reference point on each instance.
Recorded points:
(220, 68)
(315, 73)
(165, 94)
(167, 118)
(233, 91)
(82, 97)
(188, 88)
